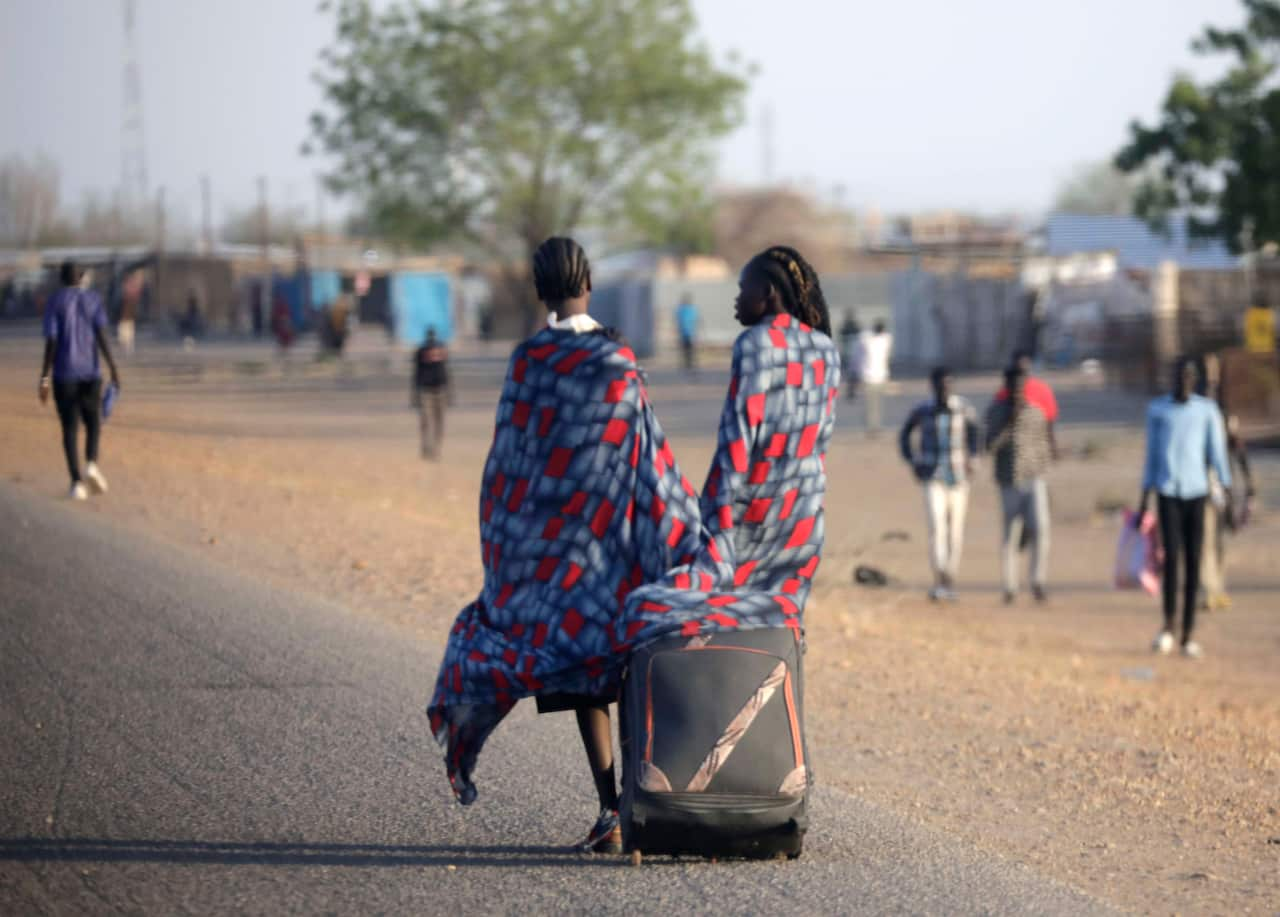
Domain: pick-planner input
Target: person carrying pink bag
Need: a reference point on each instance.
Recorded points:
(1186, 437)
(1138, 560)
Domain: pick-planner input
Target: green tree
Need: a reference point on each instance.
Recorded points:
(1215, 148)
(28, 199)
(502, 122)
(1096, 188)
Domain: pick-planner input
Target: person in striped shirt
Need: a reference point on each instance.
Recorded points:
(1019, 439)
(947, 437)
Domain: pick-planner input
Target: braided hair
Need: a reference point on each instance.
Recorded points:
(797, 284)
(560, 270)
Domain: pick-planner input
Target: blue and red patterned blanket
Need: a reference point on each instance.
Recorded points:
(593, 542)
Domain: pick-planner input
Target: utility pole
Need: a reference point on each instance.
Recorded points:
(766, 143)
(116, 227)
(320, 204)
(133, 158)
(264, 219)
(207, 207)
(160, 229)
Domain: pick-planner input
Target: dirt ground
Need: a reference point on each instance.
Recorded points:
(1046, 734)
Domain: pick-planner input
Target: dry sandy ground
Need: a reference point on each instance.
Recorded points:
(1045, 734)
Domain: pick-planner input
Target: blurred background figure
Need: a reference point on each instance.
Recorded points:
(1227, 510)
(281, 323)
(875, 349)
(127, 327)
(336, 326)
(255, 309)
(687, 320)
(430, 393)
(850, 332)
(191, 325)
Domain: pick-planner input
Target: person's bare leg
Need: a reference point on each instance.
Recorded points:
(597, 739)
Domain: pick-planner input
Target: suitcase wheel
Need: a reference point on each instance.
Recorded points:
(636, 857)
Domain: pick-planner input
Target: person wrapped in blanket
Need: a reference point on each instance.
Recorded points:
(593, 542)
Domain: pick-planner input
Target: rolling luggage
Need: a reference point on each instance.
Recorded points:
(713, 751)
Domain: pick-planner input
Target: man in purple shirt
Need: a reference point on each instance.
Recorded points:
(74, 326)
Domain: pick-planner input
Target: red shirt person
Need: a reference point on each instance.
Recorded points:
(1038, 393)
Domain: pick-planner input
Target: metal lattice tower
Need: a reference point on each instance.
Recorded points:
(133, 150)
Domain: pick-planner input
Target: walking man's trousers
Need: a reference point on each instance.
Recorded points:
(946, 505)
(1026, 518)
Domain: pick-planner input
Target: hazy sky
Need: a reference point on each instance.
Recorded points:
(981, 104)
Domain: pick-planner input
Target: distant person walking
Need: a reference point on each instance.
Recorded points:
(1018, 437)
(192, 323)
(874, 353)
(255, 309)
(74, 331)
(1185, 437)
(126, 327)
(1224, 511)
(943, 463)
(851, 353)
(687, 321)
(282, 323)
(430, 393)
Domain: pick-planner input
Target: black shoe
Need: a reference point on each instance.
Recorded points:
(1009, 597)
(606, 836)
(1038, 593)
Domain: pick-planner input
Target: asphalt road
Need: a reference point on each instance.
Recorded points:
(177, 739)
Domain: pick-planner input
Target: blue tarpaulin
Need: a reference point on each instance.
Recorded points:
(419, 302)
(326, 286)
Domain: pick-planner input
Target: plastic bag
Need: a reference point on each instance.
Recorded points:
(1138, 555)
(109, 399)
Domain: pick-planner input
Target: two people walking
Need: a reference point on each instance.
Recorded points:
(867, 355)
(1187, 471)
(941, 441)
(592, 540)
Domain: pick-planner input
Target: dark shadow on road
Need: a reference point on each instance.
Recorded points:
(230, 853)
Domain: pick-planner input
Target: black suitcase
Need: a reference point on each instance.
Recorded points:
(713, 751)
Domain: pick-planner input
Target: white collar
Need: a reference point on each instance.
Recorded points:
(580, 323)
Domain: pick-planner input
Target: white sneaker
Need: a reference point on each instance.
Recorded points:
(1163, 643)
(1192, 650)
(78, 491)
(96, 478)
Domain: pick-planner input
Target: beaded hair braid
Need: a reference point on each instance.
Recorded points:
(797, 284)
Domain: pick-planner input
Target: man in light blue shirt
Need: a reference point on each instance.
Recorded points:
(1185, 437)
(687, 321)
